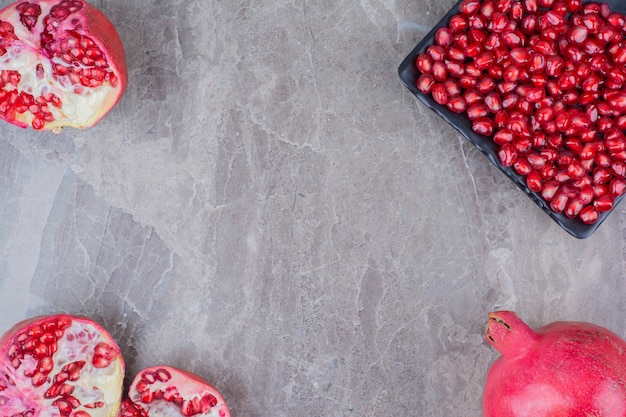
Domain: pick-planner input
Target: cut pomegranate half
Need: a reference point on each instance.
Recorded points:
(163, 391)
(62, 63)
(59, 366)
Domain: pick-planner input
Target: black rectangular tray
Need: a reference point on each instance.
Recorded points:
(409, 74)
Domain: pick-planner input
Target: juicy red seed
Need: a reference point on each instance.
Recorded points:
(522, 166)
(573, 208)
(589, 215)
(578, 34)
(483, 126)
(503, 136)
(424, 63)
(457, 104)
(443, 37)
(103, 355)
(549, 190)
(617, 101)
(558, 202)
(617, 186)
(469, 7)
(439, 94)
(507, 154)
(534, 181)
(602, 175)
(604, 203)
(425, 83)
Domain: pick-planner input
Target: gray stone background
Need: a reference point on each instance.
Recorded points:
(270, 208)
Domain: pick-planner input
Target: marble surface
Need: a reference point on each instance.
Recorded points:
(270, 208)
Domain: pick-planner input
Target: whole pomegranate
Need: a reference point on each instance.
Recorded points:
(62, 64)
(163, 391)
(568, 369)
(59, 366)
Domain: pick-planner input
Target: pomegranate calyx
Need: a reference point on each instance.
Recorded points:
(508, 334)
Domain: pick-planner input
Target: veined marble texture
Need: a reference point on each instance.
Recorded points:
(269, 207)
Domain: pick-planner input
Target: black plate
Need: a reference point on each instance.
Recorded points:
(408, 75)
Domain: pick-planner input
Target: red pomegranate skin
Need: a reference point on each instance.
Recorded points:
(564, 369)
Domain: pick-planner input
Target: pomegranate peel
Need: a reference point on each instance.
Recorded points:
(59, 366)
(62, 64)
(561, 369)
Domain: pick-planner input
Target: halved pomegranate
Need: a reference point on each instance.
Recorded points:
(163, 391)
(562, 369)
(59, 366)
(62, 64)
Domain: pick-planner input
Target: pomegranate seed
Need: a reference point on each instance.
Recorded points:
(558, 202)
(617, 102)
(436, 52)
(534, 181)
(617, 187)
(503, 136)
(457, 104)
(458, 23)
(604, 203)
(522, 166)
(484, 60)
(549, 190)
(443, 37)
(472, 97)
(424, 63)
(469, 7)
(589, 215)
(425, 83)
(507, 154)
(483, 126)
(602, 175)
(439, 94)
(573, 208)
(476, 111)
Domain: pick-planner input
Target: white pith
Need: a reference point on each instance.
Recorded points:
(94, 385)
(78, 109)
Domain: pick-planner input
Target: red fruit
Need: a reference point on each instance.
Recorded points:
(469, 7)
(163, 391)
(604, 203)
(52, 365)
(457, 104)
(589, 214)
(63, 59)
(534, 181)
(590, 378)
(483, 126)
(507, 154)
(425, 83)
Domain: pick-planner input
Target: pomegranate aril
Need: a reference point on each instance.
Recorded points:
(522, 166)
(439, 93)
(457, 104)
(507, 154)
(534, 181)
(617, 187)
(469, 7)
(425, 83)
(483, 126)
(589, 215)
(558, 202)
(604, 203)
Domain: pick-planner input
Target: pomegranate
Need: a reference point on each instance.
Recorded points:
(163, 391)
(59, 366)
(562, 369)
(61, 64)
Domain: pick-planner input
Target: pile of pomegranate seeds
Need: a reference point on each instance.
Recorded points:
(546, 80)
